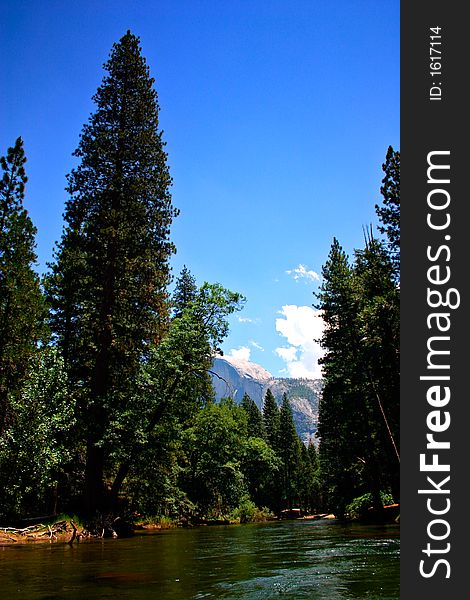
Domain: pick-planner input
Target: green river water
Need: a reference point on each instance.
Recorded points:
(281, 560)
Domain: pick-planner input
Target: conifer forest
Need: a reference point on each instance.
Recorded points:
(107, 409)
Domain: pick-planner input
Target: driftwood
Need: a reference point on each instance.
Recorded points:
(24, 531)
(57, 532)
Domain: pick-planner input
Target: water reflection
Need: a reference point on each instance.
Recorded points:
(298, 559)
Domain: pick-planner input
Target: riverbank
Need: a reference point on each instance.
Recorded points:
(64, 531)
(70, 531)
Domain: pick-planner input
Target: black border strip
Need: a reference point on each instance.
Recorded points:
(434, 121)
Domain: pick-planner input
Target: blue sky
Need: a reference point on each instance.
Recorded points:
(277, 116)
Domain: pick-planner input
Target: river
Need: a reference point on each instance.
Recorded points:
(281, 560)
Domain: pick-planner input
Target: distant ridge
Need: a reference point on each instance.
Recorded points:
(234, 377)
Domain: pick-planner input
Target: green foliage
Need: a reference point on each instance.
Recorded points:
(359, 409)
(389, 213)
(76, 519)
(271, 419)
(289, 449)
(161, 521)
(147, 482)
(379, 325)
(255, 418)
(213, 446)
(260, 466)
(171, 387)
(120, 411)
(248, 512)
(22, 309)
(38, 441)
(185, 292)
(108, 284)
(362, 504)
(308, 484)
(245, 511)
(291, 479)
(144, 441)
(165, 522)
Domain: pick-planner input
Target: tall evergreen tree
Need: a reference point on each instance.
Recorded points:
(289, 452)
(313, 454)
(109, 279)
(22, 309)
(379, 325)
(341, 404)
(389, 213)
(307, 480)
(185, 291)
(271, 419)
(359, 408)
(255, 418)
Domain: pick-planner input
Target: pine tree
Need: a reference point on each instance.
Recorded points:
(289, 452)
(313, 454)
(109, 280)
(307, 481)
(255, 418)
(341, 404)
(185, 291)
(271, 419)
(22, 309)
(379, 325)
(359, 408)
(389, 213)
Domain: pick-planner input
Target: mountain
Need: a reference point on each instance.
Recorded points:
(234, 377)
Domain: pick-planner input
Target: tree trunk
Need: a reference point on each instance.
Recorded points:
(94, 488)
(117, 484)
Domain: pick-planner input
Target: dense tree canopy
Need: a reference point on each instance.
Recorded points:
(22, 308)
(289, 446)
(37, 444)
(112, 411)
(359, 409)
(108, 286)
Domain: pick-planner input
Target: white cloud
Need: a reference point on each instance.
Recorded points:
(303, 272)
(300, 325)
(287, 354)
(247, 320)
(243, 352)
(256, 345)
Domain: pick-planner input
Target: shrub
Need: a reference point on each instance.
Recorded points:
(360, 505)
